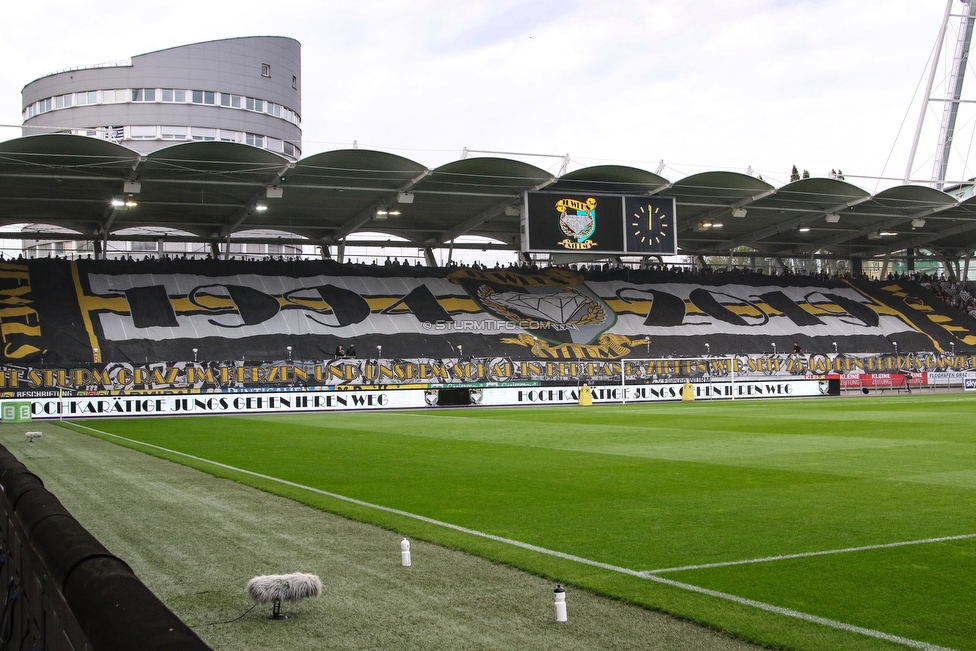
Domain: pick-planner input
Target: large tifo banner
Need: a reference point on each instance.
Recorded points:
(159, 318)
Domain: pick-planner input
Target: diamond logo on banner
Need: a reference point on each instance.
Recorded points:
(558, 308)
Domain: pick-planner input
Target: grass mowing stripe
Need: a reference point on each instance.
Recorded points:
(379, 507)
(786, 557)
(823, 621)
(915, 644)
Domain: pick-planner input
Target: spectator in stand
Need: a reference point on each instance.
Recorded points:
(340, 352)
(352, 351)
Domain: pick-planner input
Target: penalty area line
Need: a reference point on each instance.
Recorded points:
(823, 621)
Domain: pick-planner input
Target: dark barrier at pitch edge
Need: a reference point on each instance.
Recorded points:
(63, 589)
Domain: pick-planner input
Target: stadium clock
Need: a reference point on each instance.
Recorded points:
(650, 225)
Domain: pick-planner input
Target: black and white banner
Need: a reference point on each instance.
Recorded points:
(65, 314)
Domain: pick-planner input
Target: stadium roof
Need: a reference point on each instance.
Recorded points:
(212, 190)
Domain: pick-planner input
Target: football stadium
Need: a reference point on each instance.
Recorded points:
(705, 414)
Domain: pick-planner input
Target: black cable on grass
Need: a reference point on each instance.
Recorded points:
(229, 621)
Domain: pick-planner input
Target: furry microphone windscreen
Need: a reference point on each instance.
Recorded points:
(283, 587)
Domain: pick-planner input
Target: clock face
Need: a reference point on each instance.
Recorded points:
(650, 225)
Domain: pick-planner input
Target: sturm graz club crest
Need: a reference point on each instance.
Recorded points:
(554, 305)
(577, 220)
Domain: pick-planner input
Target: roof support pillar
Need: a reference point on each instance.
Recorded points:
(965, 266)
(429, 257)
(910, 259)
(97, 248)
(215, 249)
(884, 267)
(857, 267)
(340, 251)
(950, 271)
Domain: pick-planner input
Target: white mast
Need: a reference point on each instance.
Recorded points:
(939, 42)
(953, 94)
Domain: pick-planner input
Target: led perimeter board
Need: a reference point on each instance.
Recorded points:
(561, 222)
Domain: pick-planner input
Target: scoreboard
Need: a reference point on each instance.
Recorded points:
(561, 222)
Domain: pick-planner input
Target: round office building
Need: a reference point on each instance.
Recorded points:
(245, 90)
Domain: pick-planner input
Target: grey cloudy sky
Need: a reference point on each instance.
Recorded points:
(702, 85)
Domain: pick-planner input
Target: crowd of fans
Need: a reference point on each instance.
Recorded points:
(953, 292)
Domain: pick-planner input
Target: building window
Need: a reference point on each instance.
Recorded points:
(257, 141)
(143, 247)
(142, 133)
(172, 95)
(225, 100)
(265, 70)
(173, 133)
(235, 101)
(143, 94)
(201, 133)
(229, 135)
(294, 82)
(91, 97)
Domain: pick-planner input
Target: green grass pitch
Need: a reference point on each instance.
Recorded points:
(658, 486)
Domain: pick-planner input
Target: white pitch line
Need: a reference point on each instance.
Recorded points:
(823, 621)
(785, 557)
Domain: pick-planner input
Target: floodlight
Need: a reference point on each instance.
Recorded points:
(832, 218)
(739, 213)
